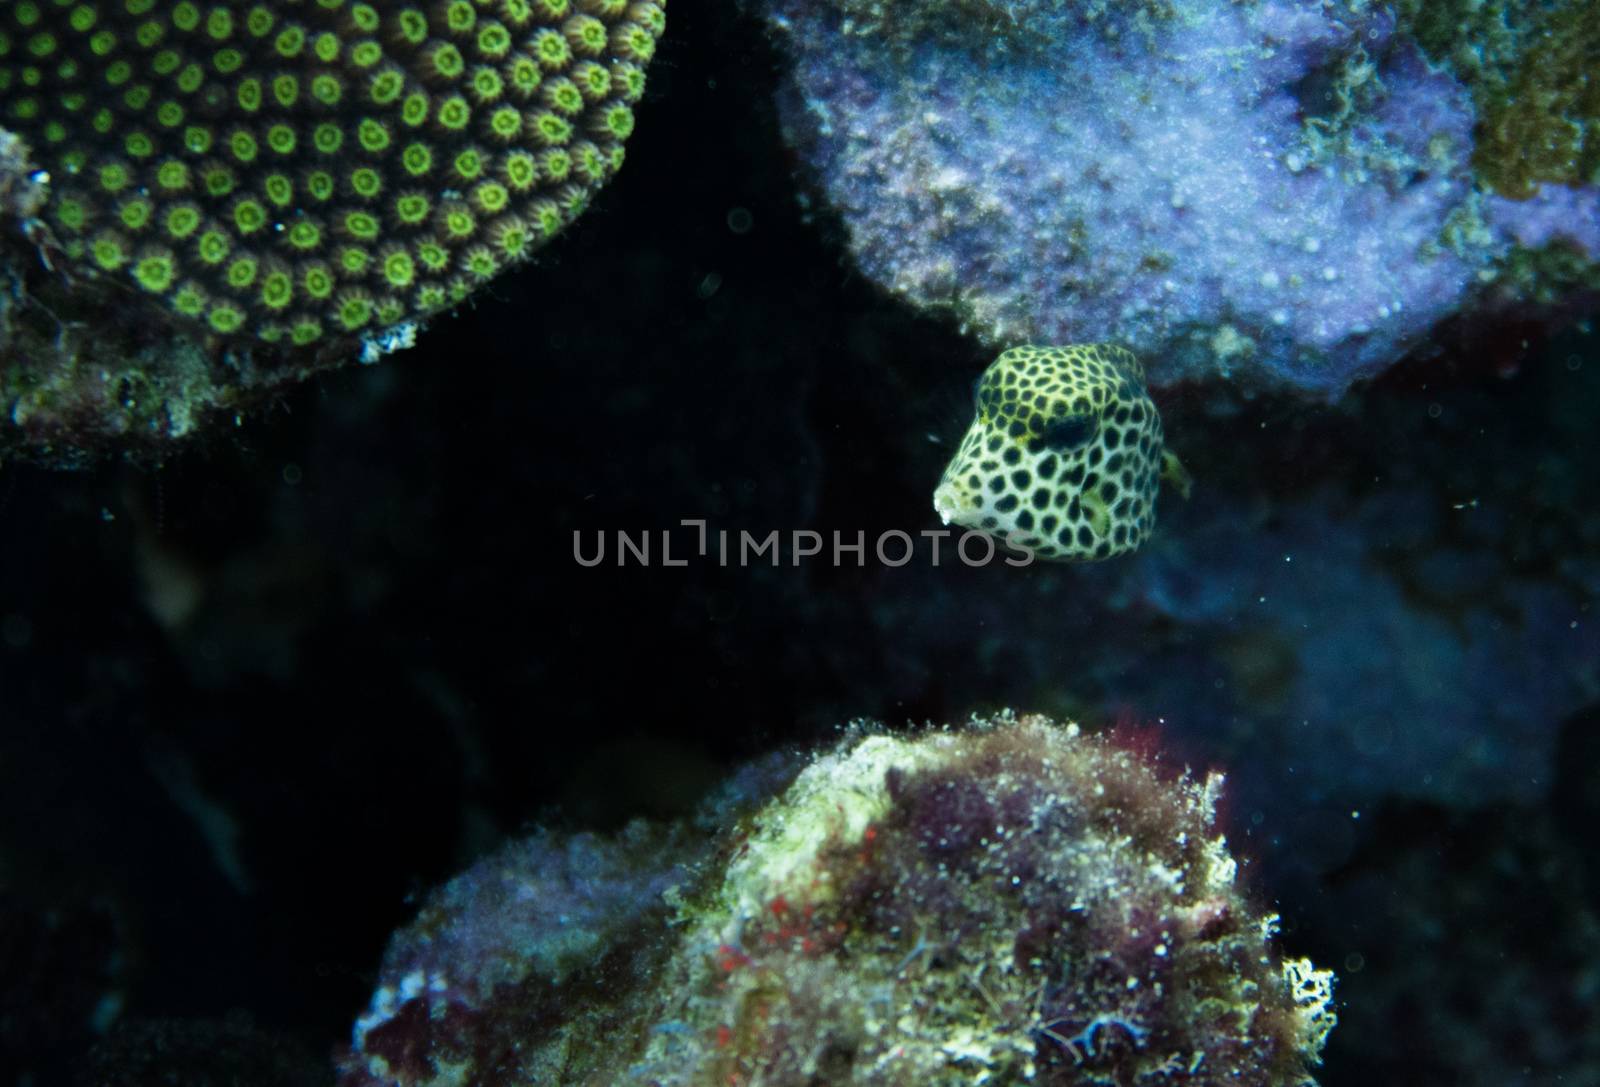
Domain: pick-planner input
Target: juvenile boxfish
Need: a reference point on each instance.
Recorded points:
(1064, 456)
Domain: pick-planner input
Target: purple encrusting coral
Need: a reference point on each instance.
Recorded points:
(1277, 191)
(1559, 212)
(500, 948)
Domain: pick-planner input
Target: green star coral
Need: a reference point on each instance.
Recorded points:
(296, 170)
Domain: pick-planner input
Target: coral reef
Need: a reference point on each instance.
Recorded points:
(202, 205)
(1010, 902)
(514, 970)
(1279, 193)
(311, 170)
(1531, 69)
(74, 386)
(350, 549)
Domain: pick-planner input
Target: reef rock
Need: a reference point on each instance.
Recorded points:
(1278, 192)
(1011, 902)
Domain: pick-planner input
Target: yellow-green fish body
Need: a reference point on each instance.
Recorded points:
(1065, 455)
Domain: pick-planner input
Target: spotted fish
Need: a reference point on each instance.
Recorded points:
(1064, 456)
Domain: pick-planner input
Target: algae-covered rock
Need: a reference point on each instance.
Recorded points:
(1014, 901)
(1534, 72)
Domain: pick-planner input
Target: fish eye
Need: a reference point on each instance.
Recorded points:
(1069, 433)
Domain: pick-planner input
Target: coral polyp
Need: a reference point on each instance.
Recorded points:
(284, 126)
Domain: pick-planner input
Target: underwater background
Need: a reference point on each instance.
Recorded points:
(257, 699)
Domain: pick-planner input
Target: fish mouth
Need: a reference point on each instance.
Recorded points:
(947, 503)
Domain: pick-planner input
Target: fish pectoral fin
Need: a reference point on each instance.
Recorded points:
(1175, 474)
(1099, 513)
